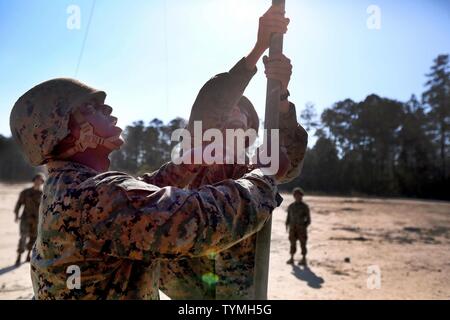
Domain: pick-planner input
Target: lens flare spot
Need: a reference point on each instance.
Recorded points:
(210, 278)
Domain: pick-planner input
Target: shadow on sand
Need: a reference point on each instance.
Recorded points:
(8, 269)
(307, 275)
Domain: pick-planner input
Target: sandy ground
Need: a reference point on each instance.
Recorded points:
(358, 249)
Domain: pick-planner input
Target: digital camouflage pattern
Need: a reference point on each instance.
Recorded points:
(298, 220)
(39, 119)
(228, 274)
(117, 228)
(224, 275)
(30, 199)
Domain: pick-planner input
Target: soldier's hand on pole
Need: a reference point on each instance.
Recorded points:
(273, 21)
(279, 68)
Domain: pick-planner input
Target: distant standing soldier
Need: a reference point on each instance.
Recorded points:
(30, 199)
(297, 222)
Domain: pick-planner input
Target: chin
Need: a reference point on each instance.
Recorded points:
(119, 142)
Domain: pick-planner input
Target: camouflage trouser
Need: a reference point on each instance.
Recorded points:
(298, 233)
(28, 232)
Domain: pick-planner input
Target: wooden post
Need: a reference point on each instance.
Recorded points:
(262, 255)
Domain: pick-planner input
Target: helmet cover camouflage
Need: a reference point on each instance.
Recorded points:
(39, 120)
(247, 107)
(209, 107)
(215, 117)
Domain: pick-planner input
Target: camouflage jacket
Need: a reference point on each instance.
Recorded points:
(230, 273)
(227, 275)
(298, 214)
(224, 275)
(115, 229)
(30, 200)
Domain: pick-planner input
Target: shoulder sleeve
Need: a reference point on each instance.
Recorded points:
(295, 139)
(132, 219)
(308, 214)
(307, 209)
(288, 216)
(20, 202)
(173, 175)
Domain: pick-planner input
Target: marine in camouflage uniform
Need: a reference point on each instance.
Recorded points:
(228, 274)
(297, 223)
(30, 199)
(116, 228)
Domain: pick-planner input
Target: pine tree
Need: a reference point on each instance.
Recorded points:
(437, 99)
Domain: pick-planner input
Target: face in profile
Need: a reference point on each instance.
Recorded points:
(236, 119)
(99, 116)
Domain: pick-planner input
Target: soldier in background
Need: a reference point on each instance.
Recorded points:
(297, 222)
(30, 199)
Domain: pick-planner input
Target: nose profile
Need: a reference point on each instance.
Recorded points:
(107, 109)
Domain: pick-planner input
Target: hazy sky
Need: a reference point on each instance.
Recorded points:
(152, 56)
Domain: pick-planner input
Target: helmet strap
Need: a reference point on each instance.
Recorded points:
(87, 139)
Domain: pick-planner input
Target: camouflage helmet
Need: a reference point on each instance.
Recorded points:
(299, 190)
(40, 118)
(247, 107)
(210, 109)
(214, 119)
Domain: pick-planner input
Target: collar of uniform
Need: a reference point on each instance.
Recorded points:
(68, 165)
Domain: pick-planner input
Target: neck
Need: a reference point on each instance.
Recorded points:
(96, 159)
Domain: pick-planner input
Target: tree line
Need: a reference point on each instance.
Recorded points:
(378, 146)
(382, 146)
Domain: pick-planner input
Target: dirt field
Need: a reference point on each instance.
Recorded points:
(358, 249)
